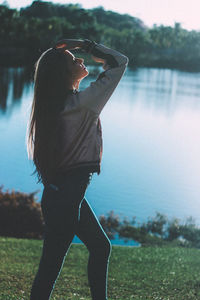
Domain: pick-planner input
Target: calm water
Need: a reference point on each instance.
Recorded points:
(151, 158)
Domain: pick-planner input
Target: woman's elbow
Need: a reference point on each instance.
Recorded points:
(126, 60)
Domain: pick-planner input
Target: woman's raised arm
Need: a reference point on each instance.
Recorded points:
(69, 44)
(114, 64)
(98, 93)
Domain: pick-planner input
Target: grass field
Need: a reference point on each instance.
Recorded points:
(134, 273)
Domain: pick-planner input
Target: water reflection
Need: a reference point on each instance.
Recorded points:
(4, 86)
(163, 89)
(158, 89)
(17, 81)
(13, 83)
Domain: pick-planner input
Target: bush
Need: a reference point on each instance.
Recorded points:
(157, 231)
(110, 224)
(20, 215)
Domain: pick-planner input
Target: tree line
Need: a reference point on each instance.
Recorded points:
(27, 32)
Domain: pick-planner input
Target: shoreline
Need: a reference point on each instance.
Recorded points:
(22, 57)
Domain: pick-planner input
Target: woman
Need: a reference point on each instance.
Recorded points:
(65, 143)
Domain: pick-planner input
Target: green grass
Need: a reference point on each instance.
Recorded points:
(134, 273)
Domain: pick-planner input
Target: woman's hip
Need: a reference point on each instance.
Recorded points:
(61, 201)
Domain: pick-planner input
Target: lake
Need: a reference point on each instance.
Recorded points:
(151, 148)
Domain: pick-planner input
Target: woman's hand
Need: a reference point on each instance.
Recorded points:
(69, 44)
(98, 60)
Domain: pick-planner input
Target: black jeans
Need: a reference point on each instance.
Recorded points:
(67, 213)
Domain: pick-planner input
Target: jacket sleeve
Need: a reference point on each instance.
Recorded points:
(98, 93)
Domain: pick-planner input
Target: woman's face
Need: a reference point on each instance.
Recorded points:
(76, 66)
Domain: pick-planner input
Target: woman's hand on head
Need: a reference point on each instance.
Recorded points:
(98, 60)
(69, 44)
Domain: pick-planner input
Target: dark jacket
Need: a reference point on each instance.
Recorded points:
(79, 132)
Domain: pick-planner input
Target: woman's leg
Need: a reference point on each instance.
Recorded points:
(91, 233)
(52, 259)
(61, 212)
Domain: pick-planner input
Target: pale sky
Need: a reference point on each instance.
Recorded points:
(165, 12)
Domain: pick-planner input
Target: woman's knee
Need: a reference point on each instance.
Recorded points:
(109, 248)
(102, 249)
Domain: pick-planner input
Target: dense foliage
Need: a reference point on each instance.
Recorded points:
(25, 33)
(21, 216)
(158, 230)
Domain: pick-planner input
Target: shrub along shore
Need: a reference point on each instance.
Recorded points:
(21, 217)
